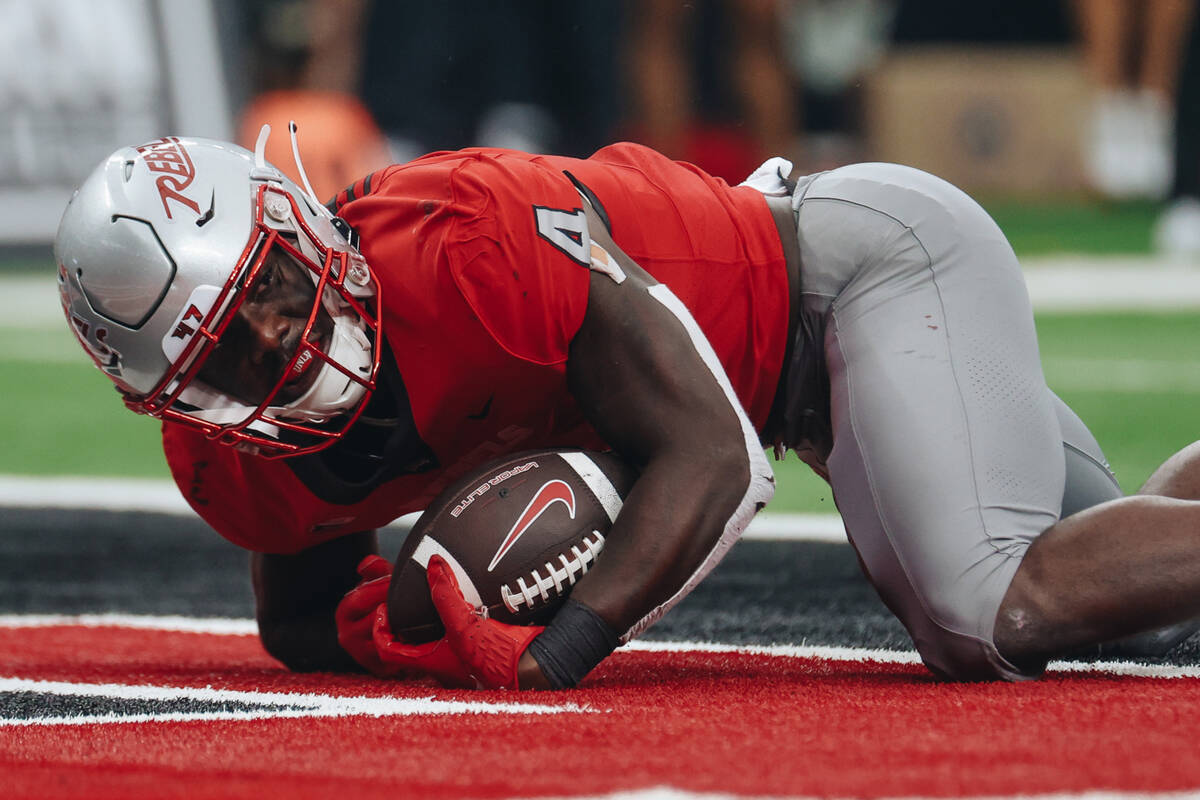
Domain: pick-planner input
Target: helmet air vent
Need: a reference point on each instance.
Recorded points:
(123, 292)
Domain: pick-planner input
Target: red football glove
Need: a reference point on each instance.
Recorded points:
(489, 650)
(431, 658)
(355, 615)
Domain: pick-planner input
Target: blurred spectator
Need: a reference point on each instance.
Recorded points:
(991, 22)
(708, 83)
(1177, 231)
(300, 66)
(830, 45)
(1131, 48)
(339, 140)
(727, 83)
(533, 75)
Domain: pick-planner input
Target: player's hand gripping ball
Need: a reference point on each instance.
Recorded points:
(517, 535)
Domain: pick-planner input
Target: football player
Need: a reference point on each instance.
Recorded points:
(320, 371)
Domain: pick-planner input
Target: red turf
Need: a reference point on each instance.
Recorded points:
(698, 721)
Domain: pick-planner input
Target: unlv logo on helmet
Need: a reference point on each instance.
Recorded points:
(169, 157)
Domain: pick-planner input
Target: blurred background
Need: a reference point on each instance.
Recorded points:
(1075, 122)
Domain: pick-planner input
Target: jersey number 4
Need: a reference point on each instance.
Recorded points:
(566, 230)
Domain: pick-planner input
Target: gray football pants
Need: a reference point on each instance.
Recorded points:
(949, 453)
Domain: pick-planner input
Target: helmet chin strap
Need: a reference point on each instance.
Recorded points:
(333, 392)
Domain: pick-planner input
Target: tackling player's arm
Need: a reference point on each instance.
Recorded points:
(296, 598)
(649, 382)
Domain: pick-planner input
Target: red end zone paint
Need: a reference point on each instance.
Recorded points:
(704, 722)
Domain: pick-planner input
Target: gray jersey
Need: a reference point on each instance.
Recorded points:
(948, 454)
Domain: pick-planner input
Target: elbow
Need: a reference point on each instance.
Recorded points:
(727, 475)
(744, 468)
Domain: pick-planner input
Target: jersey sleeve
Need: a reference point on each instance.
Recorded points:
(521, 264)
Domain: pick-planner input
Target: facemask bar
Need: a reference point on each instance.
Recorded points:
(259, 427)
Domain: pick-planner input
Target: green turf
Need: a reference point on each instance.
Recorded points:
(65, 419)
(73, 423)
(1035, 227)
(1043, 227)
(1153, 336)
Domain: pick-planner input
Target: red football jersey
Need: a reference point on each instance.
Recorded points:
(482, 293)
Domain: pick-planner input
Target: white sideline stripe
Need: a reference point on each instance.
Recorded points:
(285, 704)
(671, 793)
(827, 653)
(102, 494)
(216, 626)
(162, 497)
(1067, 282)
(1111, 283)
(248, 627)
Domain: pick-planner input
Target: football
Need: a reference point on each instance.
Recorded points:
(517, 532)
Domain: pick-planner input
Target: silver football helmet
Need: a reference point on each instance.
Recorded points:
(157, 253)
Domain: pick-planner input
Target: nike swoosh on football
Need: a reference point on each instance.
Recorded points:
(552, 492)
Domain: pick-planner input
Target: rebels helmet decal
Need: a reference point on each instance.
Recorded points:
(151, 281)
(169, 158)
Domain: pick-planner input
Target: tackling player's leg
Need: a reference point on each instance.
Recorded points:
(1116, 569)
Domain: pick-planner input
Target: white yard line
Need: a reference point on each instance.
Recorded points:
(247, 627)
(264, 705)
(671, 793)
(30, 301)
(161, 497)
(1111, 283)
(1056, 283)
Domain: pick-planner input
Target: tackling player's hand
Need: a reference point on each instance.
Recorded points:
(355, 615)
(490, 651)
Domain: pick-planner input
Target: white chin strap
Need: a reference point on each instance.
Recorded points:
(333, 392)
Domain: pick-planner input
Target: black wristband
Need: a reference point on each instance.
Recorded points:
(574, 642)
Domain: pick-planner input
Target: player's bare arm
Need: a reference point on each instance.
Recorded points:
(1112, 570)
(642, 380)
(296, 597)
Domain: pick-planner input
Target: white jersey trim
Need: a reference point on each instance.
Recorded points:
(762, 480)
